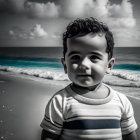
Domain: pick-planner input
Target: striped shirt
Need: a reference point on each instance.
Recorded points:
(76, 117)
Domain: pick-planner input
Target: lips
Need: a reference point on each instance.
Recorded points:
(84, 75)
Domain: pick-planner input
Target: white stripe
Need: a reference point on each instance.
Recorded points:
(129, 129)
(127, 122)
(97, 113)
(111, 105)
(93, 134)
(93, 118)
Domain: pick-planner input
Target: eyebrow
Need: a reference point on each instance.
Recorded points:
(73, 52)
(76, 52)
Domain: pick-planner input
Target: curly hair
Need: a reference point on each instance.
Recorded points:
(82, 27)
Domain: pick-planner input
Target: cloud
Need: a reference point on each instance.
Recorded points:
(74, 8)
(29, 8)
(36, 32)
(17, 33)
(84, 8)
(122, 14)
(56, 35)
(125, 37)
(114, 14)
(41, 10)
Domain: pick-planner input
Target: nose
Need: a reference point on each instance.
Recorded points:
(84, 64)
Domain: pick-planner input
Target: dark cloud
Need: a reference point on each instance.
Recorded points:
(45, 1)
(12, 6)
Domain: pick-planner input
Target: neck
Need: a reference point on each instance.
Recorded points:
(83, 90)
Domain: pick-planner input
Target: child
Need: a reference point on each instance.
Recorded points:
(88, 109)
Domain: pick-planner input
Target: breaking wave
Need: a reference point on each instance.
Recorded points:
(123, 78)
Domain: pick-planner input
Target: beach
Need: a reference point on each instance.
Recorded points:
(22, 105)
(23, 101)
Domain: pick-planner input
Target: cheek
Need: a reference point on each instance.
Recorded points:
(99, 70)
(71, 70)
(72, 66)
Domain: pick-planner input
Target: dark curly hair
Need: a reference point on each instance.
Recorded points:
(82, 27)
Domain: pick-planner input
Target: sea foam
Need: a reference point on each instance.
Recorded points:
(125, 74)
(38, 72)
(122, 78)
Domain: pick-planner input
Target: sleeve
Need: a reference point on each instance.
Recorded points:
(53, 118)
(128, 123)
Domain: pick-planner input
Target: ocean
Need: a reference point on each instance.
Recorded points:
(45, 62)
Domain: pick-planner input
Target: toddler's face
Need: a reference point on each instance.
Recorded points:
(86, 60)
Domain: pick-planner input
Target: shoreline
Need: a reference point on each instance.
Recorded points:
(32, 78)
(108, 79)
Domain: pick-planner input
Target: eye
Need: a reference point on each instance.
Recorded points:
(75, 57)
(94, 58)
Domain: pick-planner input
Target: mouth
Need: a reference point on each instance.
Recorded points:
(84, 75)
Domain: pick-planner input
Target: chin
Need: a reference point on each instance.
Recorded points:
(86, 84)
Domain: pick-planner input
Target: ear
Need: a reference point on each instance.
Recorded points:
(111, 63)
(64, 64)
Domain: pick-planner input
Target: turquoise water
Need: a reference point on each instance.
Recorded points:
(30, 62)
(133, 67)
(51, 63)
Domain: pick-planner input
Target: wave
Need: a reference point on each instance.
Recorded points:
(122, 78)
(129, 84)
(127, 75)
(52, 74)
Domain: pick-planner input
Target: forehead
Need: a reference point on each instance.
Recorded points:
(89, 42)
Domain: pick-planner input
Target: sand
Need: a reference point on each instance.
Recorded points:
(22, 104)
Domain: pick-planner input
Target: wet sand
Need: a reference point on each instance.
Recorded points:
(22, 105)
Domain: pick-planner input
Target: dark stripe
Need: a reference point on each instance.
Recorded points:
(52, 124)
(53, 121)
(92, 124)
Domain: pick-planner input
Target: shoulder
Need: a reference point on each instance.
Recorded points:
(122, 98)
(60, 97)
(60, 94)
(58, 101)
(118, 96)
(57, 98)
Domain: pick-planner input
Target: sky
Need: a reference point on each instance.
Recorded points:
(42, 22)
